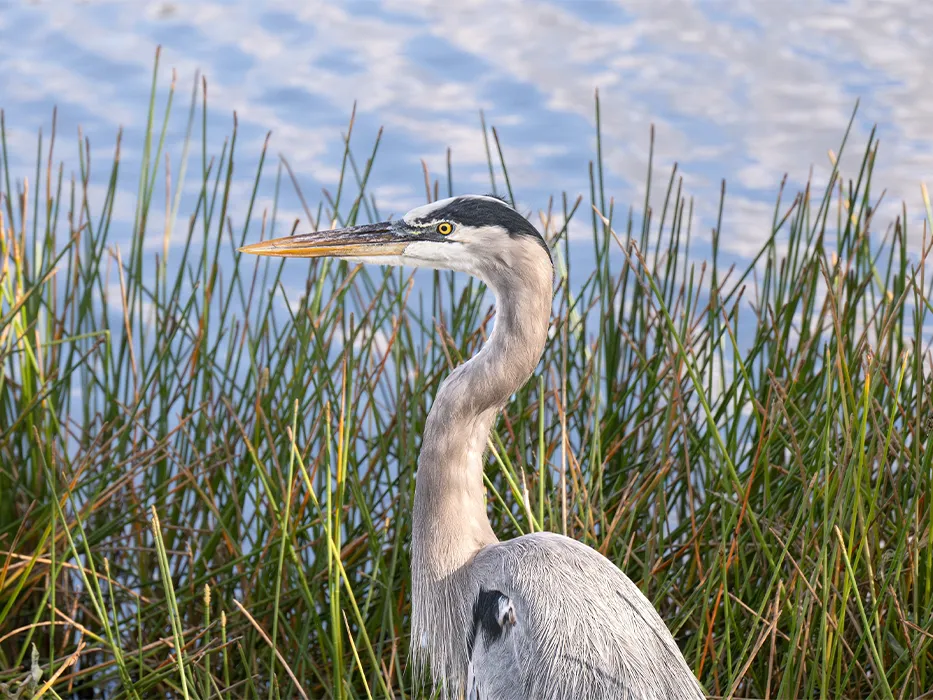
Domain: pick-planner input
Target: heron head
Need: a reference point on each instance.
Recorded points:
(477, 234)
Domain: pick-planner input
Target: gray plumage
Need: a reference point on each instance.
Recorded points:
(539, 617)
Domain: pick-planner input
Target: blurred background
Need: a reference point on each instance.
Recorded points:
(745, 90)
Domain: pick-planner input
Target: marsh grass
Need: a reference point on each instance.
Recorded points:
(206, 492)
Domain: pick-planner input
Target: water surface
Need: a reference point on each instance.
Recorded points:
(741, 90)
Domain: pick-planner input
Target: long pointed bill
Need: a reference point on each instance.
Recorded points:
(354, 242)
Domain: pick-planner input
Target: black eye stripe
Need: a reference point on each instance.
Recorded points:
(479, 211)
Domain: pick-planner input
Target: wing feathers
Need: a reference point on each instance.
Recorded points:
(553, 619)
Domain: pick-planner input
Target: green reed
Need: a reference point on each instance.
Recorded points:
(206, 492)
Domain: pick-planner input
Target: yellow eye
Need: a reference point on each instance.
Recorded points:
(444, 228)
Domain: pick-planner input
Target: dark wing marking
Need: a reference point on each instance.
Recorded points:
(493, 617)
(493, 614)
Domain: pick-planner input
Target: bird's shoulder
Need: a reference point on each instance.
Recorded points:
(562, 618)
(574, 579)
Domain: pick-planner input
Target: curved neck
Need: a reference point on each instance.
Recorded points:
(449, 521)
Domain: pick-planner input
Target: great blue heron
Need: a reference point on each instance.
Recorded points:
(542, 616)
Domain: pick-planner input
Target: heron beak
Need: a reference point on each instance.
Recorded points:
(370, 240)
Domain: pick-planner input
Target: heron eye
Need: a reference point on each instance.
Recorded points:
(444, 228)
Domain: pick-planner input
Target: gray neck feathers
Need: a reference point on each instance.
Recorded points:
(450, 524)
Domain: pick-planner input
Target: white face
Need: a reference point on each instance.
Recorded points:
(467, 249)
(471, 249)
